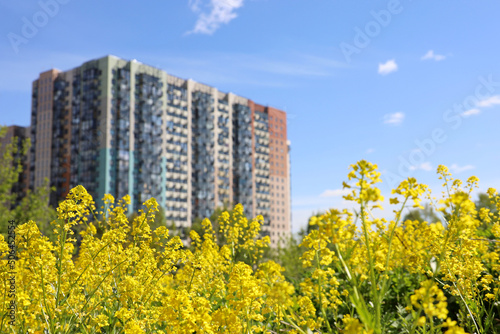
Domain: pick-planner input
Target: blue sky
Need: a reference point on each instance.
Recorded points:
(406, 84)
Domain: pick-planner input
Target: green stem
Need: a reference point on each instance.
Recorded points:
(373, 279)
(320, 284)
(45, 299)
(385, 285)
(97, 287)
(191, 281)
(84, 270)
(357, 298)
(59, 265)
(291, 323)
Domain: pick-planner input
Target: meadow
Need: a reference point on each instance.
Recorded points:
(360, 274)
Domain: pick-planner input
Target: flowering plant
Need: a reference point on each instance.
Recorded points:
(366, 275)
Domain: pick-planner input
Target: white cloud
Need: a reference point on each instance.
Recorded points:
(195, 5)
(394, 119)
(370, 150)
(387, 67)
(494, 100)
(431, 55)
(489, 102)
(425, 166)
(334, 192)
(459, 169)
(213, 14)
(471, 112)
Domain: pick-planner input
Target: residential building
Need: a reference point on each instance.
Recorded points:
(123, 127)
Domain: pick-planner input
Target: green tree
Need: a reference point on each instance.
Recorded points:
(427, 215)
(269, 253)
(288, 255)
(34, 206)
(10, 169)
(311, 227)
(214, 219)
(485, 202)
(160, 220)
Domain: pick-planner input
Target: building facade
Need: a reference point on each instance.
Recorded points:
(122, 127)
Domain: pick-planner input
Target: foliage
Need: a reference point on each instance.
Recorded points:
(359, 274)
(288, 254)
(35, 204)
(214, 219)
(159, 221)
(10, 169)
(422, 215)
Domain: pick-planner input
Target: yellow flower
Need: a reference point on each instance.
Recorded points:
(455, 330)
(127, 278)
(431, 300)
(421, 321)
(101, 320)
(353, 326)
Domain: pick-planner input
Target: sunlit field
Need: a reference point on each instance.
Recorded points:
(359, 274)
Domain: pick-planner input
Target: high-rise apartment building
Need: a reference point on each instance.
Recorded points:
(122, 127)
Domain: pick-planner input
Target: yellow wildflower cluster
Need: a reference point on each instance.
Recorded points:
(361, 274)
